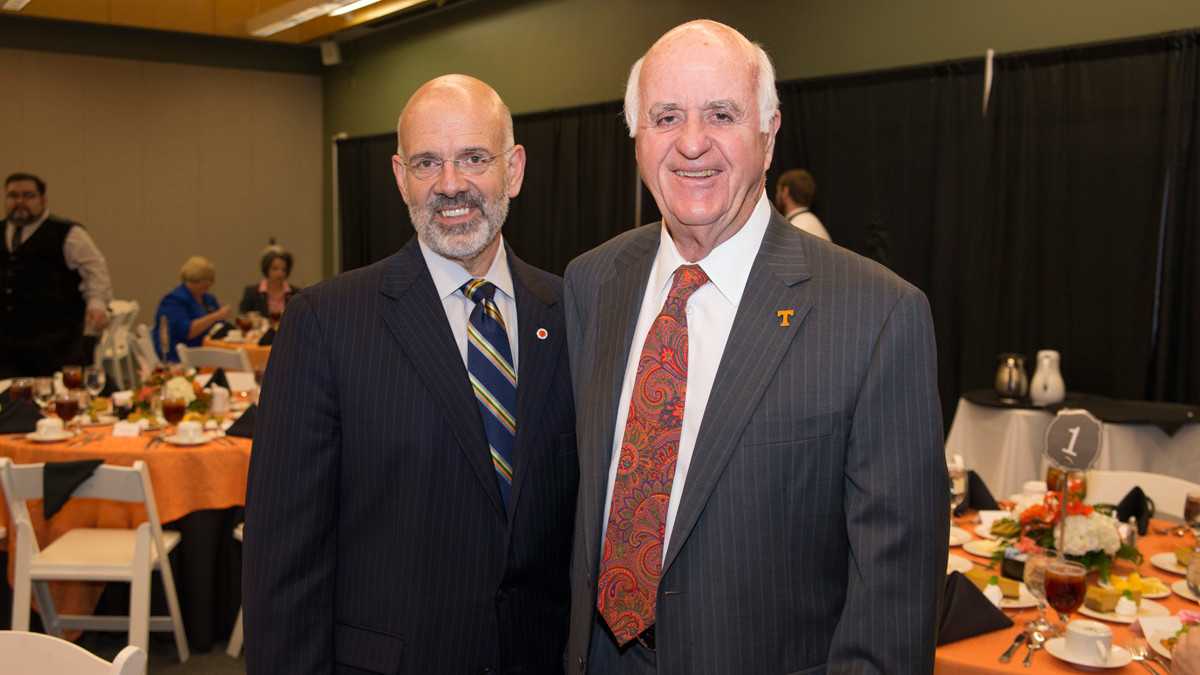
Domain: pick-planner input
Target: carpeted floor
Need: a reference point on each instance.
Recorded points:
(163, 659)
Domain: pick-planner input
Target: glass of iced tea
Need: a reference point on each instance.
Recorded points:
(67, 405)
(1191, 513)
(21, 388)
(1066, 588)
(72, 377)
(245, 322)
(173, 409)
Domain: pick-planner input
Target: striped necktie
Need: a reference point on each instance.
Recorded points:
(633, 541)
(490, 366)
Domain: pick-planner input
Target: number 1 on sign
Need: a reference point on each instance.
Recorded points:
(1070, 449)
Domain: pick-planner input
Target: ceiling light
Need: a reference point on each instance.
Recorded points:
(14, 5)
(291, 14)
(351, 7)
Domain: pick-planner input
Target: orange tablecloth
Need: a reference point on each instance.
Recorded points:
(185, 479)
(258, 355)
(979, 655)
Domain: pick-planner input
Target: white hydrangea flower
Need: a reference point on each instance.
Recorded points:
(180, 387)
(1093, 532)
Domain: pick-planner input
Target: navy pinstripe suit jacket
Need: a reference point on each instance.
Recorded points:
(811, 533)
(376, 537)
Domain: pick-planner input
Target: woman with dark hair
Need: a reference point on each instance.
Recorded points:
(269, 296)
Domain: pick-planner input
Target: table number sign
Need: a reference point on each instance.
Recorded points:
(1073, 440)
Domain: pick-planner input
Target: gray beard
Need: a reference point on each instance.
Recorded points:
(461, 242)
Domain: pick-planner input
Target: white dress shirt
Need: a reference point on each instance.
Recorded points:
(710, 313)
(81, 255)
(809, 222)
(448, 278)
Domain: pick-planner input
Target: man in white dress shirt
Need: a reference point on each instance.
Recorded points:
(794, 197)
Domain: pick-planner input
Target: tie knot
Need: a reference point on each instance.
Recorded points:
(687, 279)
(478, 290)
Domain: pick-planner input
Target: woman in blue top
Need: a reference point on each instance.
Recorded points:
(190, 309)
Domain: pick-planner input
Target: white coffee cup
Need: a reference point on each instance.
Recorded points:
(191, 431)
(1034, 487)
(1089, 641)
(49, 427)
(220, 400)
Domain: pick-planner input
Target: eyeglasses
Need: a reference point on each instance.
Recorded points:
(425, 167)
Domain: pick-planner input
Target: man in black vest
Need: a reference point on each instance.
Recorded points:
(53, 282)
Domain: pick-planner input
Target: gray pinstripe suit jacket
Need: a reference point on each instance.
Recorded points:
(376, 537)
(811, 534)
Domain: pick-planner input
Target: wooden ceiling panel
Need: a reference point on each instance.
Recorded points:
(191, 16)
(94, 11)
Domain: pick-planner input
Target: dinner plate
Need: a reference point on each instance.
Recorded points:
(1156, 644)
(957, 563)
(1024, 599)
(981, 547)
(1147, 608)
(101, 420)
(1168, 562)
(959, 536)
(984, 531)
(1157, 595)
(1181, 589)
(177, 439)
(50, 438)
(1117, 658)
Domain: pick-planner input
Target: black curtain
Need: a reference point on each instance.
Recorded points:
(1063, 216)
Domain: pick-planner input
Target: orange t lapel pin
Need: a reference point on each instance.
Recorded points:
(784, 315)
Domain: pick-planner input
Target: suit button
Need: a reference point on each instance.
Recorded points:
(502, 595)
(582, 664)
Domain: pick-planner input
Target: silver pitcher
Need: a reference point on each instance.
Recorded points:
(1012, 384)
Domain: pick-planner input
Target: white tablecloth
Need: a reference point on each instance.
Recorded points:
(1005, 446)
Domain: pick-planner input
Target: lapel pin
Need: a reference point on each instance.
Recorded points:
(541, 333)
(784, 315)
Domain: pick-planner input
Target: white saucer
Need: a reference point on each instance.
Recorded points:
(959, 536)
(1181, 589)
(981, 547)
(957, 563)
(1025, 599)
(101, 420)
(984, 531)
(50, 438)
(1168, 562)
(176, 439)
(1117, 658)
(1147, 608)
(1164, 593)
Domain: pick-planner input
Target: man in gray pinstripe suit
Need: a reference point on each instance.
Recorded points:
(807, 520)
(378, 536)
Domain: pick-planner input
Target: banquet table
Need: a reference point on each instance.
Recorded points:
(1004, 445)
(200, 491)
(257, 354)
(979, 655)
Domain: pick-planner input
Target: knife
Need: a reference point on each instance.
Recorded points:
(1020, 639)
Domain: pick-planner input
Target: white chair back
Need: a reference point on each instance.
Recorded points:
(213, 357)
(143, 350)
(1168, 492)
(37, 654)
(112, 350)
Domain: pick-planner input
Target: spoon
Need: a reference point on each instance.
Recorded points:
(1178, 531)
(1036, 640)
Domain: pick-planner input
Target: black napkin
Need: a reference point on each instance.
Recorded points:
(978, 496)
(218, 379)
(220, 332)
(5, 397)
(59, 480)
(1137, 505)
(244, 426)
(267, 338)
(966, 612)
(19, 417)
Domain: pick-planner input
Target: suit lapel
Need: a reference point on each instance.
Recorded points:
(757, 343)
(540, 344)
(618, 301)
(431, 351)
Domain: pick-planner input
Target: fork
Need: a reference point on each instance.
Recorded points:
(1150, 654)
(1138, 653)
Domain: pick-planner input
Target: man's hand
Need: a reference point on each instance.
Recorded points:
(95, 319)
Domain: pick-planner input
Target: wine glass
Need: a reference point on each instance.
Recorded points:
(66, 406)
(93, 380)
(1191, 512)
(173, 410)
(72, 377)
(958, 485)
(43, 391)
(1035, 581)
(1066, 588)
(21, 388)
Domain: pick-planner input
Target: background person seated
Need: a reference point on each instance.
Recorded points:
(190, 309)
(269, 296)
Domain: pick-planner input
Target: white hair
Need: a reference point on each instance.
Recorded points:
(764, 84)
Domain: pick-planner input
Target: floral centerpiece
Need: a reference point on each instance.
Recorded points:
(1091, 537)
(172, 381)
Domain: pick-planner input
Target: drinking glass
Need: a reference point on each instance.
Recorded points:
(43, 391)
(173, 410)
(958, 486)
(72, 377)
(1191, 513)
(21, 387)
(1035, 581)
(1076, 481)
(245, 322)
(93, 380)
(1066, 588)
(66, 406)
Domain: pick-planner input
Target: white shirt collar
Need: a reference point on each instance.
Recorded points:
(449, 276)
(727, 266)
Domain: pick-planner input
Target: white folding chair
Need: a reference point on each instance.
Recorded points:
(94, 554)
(1168, 492)
(112, 350)
(37, 654)
(213, 357)
(235, 638)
